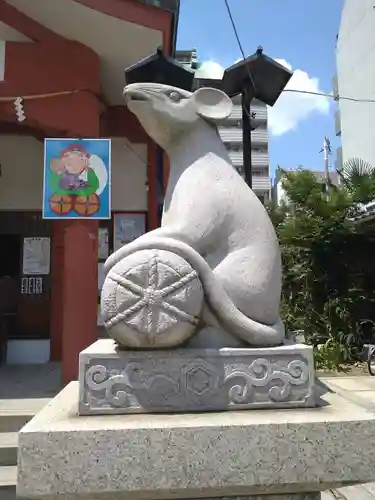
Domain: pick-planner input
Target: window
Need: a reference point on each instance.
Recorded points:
(231, 124)
(260, 172)
(236, 147)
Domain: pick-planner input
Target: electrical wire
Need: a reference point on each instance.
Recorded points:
(335, 98)
(146, 163)
(136, 154)
(239, 42)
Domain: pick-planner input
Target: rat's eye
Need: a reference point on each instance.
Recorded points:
(175, 96)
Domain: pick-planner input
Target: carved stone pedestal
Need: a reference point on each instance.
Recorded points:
(290, 454)
(114, 381)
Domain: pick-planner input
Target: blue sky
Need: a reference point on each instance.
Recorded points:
(300, 32)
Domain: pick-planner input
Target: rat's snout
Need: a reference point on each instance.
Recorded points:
(141, 92)
(162, 110)
(132, 94)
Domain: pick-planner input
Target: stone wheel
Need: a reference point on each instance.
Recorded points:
(151, 299)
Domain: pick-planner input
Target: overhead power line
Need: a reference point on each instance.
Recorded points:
(239, 41)
(335, 98)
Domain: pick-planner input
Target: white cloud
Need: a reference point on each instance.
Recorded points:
(210, 69)
(291, 108)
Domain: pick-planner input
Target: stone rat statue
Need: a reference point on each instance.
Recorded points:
(211, 218)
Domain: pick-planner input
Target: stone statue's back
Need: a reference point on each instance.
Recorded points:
(210, 208)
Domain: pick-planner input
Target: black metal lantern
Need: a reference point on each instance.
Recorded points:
(258, 76)
(264, 77)
(159, 68)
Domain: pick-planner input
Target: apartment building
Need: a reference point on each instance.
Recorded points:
(188, 58)
(355, 61)
(231, 133)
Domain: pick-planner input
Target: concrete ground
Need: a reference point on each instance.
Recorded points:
(360, 390)
(29, 381)
(24, 391)
(356, 388)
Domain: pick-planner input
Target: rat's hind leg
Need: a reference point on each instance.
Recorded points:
(252, 278)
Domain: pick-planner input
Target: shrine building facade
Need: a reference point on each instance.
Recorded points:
(62, 76)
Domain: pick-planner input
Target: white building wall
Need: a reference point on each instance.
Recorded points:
(281, 196)
(129, 176)
(21, 174)
(356, 78)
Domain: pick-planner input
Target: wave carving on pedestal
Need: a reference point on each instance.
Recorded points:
(216, 381)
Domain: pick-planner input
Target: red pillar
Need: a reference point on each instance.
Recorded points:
(57, 288)
(79, 273)
(79, 292)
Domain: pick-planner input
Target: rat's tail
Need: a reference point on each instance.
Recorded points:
(228, 315)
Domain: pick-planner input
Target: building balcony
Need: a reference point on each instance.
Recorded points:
(230, 134)
(259, 184)
(338, 122)
(258, 158)
(335, 87)
(339, 160)
(261, 112)
(234, 134)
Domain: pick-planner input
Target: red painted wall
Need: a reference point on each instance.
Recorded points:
(48, 68)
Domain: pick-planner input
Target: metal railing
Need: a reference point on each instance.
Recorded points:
(234, 134)
(261, 113)
(261, 183)
(338, 122)
(258, 158)
(335, 87)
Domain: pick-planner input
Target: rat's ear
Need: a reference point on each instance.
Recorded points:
(212, 104)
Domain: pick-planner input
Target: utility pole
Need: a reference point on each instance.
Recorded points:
(246, 99)
(254, 77)
(326, 152)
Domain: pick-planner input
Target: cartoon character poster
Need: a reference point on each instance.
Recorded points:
(77, 179)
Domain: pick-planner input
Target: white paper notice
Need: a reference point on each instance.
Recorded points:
(101, 276)
(36, 256)
(103, 243)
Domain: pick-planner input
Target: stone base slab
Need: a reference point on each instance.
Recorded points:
(287, 496)
(187, 380)
(291, 496)
(62, 455)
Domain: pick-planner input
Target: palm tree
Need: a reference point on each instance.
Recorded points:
(358, 178)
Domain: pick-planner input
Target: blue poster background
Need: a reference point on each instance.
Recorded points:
(93, 147)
